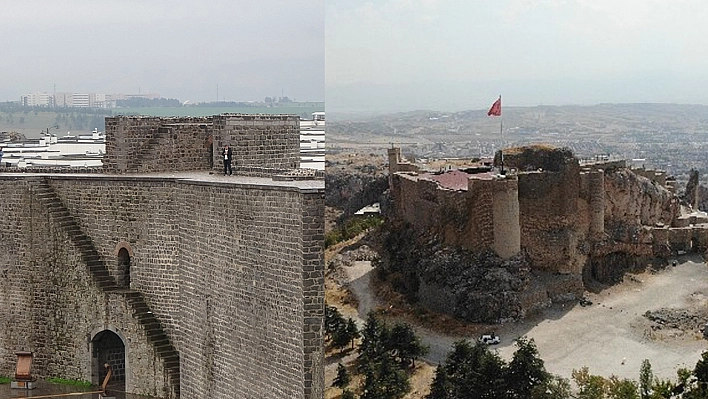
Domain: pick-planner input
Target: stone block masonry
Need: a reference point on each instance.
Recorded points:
(507, 232)
(262, 145)
(139, 144)
(233, 270)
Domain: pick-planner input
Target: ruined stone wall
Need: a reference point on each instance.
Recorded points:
(124, 138)
(668, 241)
(313, 289)
(460, 218)
(637, 211)
(261, 144)
(15, 239)
(183, 146)
(233, 271)
(415, 202)
(657, 176)
(631, 199)
(592, 191)
(396, 163)
(549, 207)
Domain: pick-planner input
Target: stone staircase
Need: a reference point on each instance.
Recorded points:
(146, 152)
(61, 218)
(156, 336)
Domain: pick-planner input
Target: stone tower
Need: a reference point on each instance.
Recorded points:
(507, 230)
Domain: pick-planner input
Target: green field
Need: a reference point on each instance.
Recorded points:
(31, 123)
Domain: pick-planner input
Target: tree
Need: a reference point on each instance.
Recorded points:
(352, 331)
(441, 388)
(695, 388)
(621, 388)
(342, 379)
(553, 388)
(526, 370)
(469, 370)
(661, 389)
(341, 336)
(345, 333)
(374, 338)
(406, 346)
(383, 376)
(333, 320)
(646, 377)
(701, 369)
(347, 394)
(385, 380)
(589, 386)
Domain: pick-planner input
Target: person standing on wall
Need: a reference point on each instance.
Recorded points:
(227, 153)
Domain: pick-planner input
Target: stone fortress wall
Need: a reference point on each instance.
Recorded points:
(579, 222)
(223, 292)
(262, 145)
(463, 219)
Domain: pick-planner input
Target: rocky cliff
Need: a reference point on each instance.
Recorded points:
(354, 181)
(474, 286)
(633, 200)
(634, 206)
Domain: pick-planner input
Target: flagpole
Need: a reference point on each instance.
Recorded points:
(501, 133)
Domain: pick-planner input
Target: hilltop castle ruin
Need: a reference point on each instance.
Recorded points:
(490, 247)
(190, 284)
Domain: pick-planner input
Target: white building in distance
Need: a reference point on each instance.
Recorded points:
(36, 100)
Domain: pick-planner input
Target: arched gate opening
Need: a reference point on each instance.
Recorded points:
(108, 347)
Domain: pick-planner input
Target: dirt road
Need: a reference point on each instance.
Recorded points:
(610, 337)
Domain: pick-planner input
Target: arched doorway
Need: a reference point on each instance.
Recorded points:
(108, 347)
(123, 278)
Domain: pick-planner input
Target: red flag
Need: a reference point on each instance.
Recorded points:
(496, 108)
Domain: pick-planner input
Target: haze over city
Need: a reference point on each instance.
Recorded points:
(179, 49)
(399, 55)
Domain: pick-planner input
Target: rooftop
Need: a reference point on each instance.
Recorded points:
(455, 179)
(195, 177)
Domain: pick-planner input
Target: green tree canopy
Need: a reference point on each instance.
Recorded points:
(526, 370)
(342, 379)
(470, 371)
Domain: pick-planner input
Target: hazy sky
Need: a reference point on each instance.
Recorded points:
(461, 54)
(179, 48)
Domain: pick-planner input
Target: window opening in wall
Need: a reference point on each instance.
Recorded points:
(123, 268)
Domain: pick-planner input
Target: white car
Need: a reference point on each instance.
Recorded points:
(489, 339)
